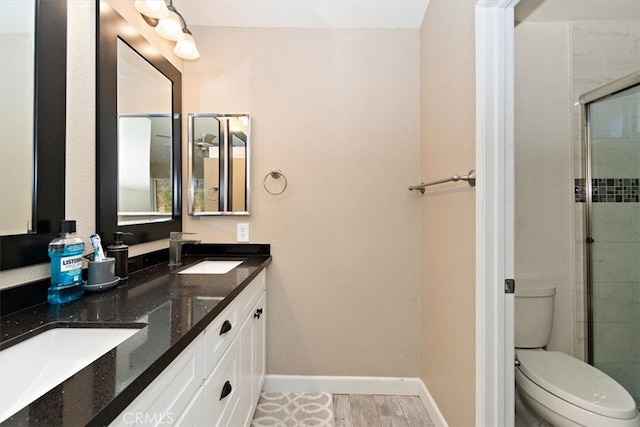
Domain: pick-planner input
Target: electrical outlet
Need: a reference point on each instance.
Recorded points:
(243, 232)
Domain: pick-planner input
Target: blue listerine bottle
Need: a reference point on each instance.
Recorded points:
(66, 265)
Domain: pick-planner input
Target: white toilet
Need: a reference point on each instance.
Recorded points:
(558, 388)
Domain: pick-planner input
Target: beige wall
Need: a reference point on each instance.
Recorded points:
(337, 112)
(544, 176)
(447, 116)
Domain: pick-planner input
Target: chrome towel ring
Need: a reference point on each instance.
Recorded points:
(275, 174)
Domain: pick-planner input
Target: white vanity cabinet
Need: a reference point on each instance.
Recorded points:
(252, 361)
(216, 380)
(170, 393)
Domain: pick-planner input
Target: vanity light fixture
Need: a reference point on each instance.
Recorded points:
(156, 9)
(186, 48)
(169, 24)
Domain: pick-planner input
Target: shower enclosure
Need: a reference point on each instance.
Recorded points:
(611, 118)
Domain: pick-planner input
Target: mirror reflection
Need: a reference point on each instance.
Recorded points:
(144, 140)
(33, 82)
(138, 105)
(219, 153)
(17, 65)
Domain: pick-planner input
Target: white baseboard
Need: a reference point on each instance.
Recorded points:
(356, 385)
(431, 407)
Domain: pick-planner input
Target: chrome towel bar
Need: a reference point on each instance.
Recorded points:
(470, 177)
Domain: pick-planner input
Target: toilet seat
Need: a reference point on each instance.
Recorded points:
(576, 382)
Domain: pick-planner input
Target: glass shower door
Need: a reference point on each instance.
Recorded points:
(614, 142)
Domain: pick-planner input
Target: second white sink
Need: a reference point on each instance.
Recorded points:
(212, 267)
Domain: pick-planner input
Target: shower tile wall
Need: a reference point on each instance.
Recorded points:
(615, 141)
(603, 51)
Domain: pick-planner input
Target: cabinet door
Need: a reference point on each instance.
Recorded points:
(252, 360)
(246, 372)
(259, 346)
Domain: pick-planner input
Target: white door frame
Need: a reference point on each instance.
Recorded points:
(494, 211)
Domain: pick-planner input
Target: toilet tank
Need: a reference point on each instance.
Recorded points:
(533, 314)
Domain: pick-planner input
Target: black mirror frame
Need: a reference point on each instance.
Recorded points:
(110, 26)
(50, 106)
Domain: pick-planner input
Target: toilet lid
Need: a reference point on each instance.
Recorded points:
(577, 382)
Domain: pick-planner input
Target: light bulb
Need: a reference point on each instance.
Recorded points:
(186, 48)
(170, 27)
(152, 8)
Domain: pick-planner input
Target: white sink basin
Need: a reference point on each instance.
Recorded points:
(32, 367)
(212, 267)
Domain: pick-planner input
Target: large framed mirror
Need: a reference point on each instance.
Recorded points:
(219, 164)
(138, 146)
(33, 54)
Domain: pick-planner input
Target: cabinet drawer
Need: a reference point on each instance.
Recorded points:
(193, 416)
(222, 388)
(252, 294)
(219, 335)
(168, 395)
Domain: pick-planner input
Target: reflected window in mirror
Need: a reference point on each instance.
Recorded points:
(219, 163)
(33, 55)
(138, 146)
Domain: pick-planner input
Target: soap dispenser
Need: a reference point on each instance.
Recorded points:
(120, 252)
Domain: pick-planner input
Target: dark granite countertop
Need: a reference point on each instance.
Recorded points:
(169, 309)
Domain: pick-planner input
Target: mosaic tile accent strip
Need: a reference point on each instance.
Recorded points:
(609, 190)
(580, 190)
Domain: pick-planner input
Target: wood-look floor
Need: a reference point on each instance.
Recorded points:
(359, 410)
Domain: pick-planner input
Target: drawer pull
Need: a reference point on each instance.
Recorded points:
(226, 327)
(258, 313)
(226, 390)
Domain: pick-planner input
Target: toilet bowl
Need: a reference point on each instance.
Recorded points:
(556, 387)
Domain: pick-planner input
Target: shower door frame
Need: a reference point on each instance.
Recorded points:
(595, 95)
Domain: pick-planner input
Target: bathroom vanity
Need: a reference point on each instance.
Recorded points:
(196, 358)
(217, 379)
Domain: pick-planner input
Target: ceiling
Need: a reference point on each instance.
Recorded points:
(572, 10)
(377, 13)
(304, 13)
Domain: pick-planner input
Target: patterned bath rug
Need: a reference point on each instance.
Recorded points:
(294, 410)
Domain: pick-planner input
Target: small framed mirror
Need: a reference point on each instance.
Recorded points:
(219, 164)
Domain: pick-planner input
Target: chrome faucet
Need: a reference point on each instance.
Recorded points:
(175, 247)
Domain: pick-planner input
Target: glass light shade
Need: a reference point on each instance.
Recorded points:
(186, 48)
(170, 27)
(152, 8)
